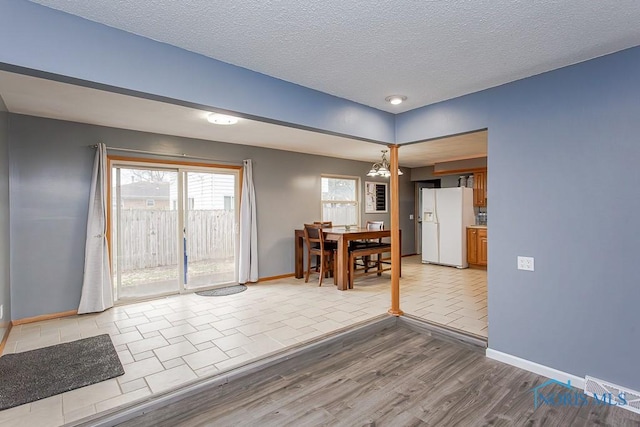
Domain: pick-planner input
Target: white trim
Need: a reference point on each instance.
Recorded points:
(357, 201)
(536, 368)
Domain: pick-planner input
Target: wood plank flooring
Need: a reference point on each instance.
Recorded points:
(399, 377)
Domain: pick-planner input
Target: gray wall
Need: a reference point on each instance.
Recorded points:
(548, 135)
(50, 176)
(5, 295)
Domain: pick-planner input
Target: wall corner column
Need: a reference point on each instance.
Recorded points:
(395, 234)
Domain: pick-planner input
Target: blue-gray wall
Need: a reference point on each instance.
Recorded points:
(564, 188)
(5, 295)
(51, 41)
(50, 178)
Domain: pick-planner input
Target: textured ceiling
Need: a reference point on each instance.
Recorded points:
(365, 50)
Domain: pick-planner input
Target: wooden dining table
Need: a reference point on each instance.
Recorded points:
(343, 237)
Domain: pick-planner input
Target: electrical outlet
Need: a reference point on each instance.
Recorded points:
(1, 311)
(410, 216)
(525, 263)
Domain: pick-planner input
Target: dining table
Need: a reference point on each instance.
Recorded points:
(342, 236)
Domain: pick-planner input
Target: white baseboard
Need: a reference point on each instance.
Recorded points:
(536, 368)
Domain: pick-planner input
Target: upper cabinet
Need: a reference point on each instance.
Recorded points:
(480, 188)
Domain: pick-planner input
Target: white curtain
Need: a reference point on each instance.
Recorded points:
(97, 291)
(248, 264)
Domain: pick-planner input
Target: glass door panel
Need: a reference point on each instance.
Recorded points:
(145, 247)
(210, 229)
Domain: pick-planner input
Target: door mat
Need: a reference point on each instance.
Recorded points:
(220, 292)
(36, 374)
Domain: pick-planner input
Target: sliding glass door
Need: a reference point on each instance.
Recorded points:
(172, 229)
(210, 229)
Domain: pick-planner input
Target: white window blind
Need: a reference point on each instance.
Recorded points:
(340, 200)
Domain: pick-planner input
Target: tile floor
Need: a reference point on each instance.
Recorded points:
(171, 341)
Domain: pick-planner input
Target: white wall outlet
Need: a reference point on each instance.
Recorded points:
(410, 216)
(525, 263)
(1, 311)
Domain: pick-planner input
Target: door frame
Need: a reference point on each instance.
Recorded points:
(179, 167)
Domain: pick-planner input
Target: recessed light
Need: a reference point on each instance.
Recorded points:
(221, 119)
(395, 99)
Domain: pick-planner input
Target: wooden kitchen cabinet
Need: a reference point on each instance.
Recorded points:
(472, 245)
(477, 246)
(482, 246)
(480, 188)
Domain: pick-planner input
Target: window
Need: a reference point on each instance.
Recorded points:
(151, 203)
(339, 198)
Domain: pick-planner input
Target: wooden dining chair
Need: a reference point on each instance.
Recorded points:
(327, 245)
(369, 243)
(314, 239)
(360, 253)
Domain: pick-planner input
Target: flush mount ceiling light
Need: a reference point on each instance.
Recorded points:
(221, 119)
(382, 168)
(395, 99)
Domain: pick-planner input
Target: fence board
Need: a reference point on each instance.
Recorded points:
(150, 237)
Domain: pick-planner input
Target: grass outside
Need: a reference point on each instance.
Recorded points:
(162, 273)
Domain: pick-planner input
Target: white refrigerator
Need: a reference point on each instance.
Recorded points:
(446, 213)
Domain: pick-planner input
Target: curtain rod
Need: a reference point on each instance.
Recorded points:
(182, 155)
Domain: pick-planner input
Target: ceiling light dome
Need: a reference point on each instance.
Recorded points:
(221, 119)
(395, 99)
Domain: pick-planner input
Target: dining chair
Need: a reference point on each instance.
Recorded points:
(360, 253)
(372, 226)
(368, 243)
(314, 239)
(327, 245)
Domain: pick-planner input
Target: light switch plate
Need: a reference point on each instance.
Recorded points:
(525, 263)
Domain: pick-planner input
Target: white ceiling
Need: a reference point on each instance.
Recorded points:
(46, 98)
(428, 50)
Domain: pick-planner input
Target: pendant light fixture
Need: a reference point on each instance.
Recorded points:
(382, 168)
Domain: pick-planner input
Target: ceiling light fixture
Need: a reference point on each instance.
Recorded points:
(382, 168)
(395, 99)
(221, 119)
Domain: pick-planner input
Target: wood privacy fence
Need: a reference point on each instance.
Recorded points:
(150, 237)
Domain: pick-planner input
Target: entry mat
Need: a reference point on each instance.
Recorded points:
(36, 374)
(220, 292)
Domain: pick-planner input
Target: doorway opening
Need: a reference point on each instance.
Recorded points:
(454, 234)
(173, 228)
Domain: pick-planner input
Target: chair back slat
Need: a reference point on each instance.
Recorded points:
(324, 224)
(375, 225)
(313, 234)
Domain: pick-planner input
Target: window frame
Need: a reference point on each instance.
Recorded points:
(357, 201)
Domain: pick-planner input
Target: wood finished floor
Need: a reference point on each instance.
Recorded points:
(397, 378)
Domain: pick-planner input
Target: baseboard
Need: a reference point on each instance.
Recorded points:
(406, 255)
(44, 317)
(469, 340)
(5, 338)
(536, 368)
(281, 276)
